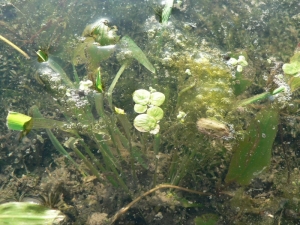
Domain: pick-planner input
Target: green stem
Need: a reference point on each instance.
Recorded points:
(114, 82)
(126, 126)
(85, 160)
(75, 76)
(36, 113)
(156, 151)
(57, 68)
(261, 96)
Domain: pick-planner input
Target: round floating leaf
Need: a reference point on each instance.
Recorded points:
(138, 108)
(232, 61)
(144, 123)
(242, 61)
(156, 112)
(141, 97)
(155, 130)
(157, 98)
(239, 68)
(293, 67)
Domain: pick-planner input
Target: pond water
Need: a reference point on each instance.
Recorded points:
(150, 112)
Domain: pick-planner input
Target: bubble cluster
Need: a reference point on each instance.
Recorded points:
(75, 97)
(285, 95)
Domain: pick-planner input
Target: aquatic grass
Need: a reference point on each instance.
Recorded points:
(36, 113)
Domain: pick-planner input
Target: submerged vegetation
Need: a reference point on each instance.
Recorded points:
(211, 118)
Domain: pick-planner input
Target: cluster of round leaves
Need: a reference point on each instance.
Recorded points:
(239, 63)
(147, 104)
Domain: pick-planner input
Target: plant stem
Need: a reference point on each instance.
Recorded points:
(114, 82)
(161, 186)
(156, 150)
(14, 46)
(57, 68)
(85, 160)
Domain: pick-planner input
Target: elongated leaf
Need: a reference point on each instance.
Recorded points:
(252, 155)
(167, 11)
(27, 213)
(294, 83)
(137, 53)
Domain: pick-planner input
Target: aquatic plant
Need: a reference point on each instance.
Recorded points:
(28, 213)
(205, 115)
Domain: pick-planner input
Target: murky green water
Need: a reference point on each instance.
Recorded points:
(149, 112)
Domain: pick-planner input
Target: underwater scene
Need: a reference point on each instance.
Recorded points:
(149, 112)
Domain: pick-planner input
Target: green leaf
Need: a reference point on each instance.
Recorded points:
(27, 213)
(240, 83)
(294, 83)
(129, 45)
(42, 56)
(144, 123)
(156, 112)
(293, 67)
(141, 96)
(167, 11)
(96, 53)
(98, 84)
(254, 98)
(157, 98)
(252, 155)
(207, 219)
(102, 33)
(138, 108)
(18, 121)
(138, 156)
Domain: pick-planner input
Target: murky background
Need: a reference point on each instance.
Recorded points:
(228, 71)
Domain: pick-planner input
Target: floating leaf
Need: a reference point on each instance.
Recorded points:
(242, 61)
(144, 123)
(141, 96)
(129, 45)
(156, 112)
(252, 155)
(157, 98)
(293, 67)
(138, 108)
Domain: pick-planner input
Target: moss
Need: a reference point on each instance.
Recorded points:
(210, 93)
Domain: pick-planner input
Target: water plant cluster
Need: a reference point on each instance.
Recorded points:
(192, 122)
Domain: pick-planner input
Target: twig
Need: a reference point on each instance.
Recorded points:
(161, 186)
(14, 46)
